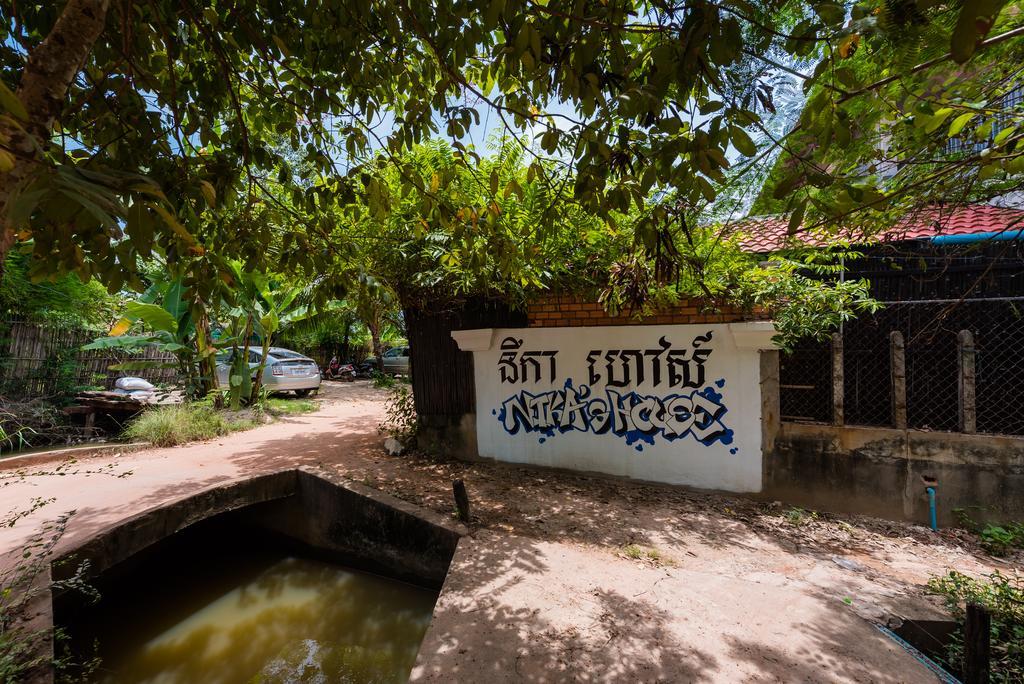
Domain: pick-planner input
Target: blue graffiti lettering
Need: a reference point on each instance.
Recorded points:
(637, 418)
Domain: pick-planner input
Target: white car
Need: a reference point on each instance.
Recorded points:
(286, 370)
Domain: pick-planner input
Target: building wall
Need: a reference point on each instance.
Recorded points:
(679, 404)
(854, 469)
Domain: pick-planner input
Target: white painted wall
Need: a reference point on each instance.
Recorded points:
(729, 457)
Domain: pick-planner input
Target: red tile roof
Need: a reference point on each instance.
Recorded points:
(768, 233)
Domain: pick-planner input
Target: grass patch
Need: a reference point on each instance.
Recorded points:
(633, 551)
(175, 424)
(291, 407)
(180, 423)
(652, 555)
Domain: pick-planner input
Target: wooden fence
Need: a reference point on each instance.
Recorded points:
(442, 376)
(38, 360)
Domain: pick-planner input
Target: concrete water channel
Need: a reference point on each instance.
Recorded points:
(290, 576)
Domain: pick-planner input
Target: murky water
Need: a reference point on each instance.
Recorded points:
(238, 615)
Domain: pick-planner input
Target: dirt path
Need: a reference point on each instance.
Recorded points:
(568, 576)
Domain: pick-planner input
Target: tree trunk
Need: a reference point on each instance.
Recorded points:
(344, 356)
(49, 72)
(378, 348)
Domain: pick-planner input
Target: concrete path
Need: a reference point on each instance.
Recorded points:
(516, 609)
(565, 577)
(105, 490)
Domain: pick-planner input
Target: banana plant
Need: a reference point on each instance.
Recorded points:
(237, 326)
(176, 325)
(269, 306)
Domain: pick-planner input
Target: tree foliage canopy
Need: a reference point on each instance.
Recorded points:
(264, 131)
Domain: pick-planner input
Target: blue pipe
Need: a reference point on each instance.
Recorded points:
(998, 235)
(932, 516)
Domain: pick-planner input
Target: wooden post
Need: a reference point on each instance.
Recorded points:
(461, 500)
(976, 644)
(965, 383)
(837, 379)
(90, 423)
(898, 371)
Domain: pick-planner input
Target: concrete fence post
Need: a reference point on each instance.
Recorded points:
(898, 373)
(965, 381)
(837, 379)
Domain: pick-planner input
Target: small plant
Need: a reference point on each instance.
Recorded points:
(798, 516)
(382, 380)
(633, 551)
(1004, 597)
(400, 418)
(999, 539)
(24, 651)
(654, 556)
(180, 423)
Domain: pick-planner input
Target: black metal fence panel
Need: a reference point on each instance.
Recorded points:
(933, 362)
(806, 382)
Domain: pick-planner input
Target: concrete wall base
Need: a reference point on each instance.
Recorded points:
(453, 436)
(882, 472)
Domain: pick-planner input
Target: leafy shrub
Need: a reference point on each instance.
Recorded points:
(180, 423)
(382, 380)
(1004, 598)
(400, 418)
(998, 540)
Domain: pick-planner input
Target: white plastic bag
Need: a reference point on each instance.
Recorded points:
(133, 384)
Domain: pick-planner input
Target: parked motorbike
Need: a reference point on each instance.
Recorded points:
(364, 369)
(345, 372)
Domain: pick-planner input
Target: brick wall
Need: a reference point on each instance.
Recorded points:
(559, 311)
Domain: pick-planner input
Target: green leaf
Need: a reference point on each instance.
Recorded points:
(10, 102)
(121, 342)
(208, 192)
(959, 123)
(786, 185)
(796, 218)
(974, 22)
(742, 142)
(156, 317)
(937, 119)
(1002, 135)
(711, 106)
(281, 45)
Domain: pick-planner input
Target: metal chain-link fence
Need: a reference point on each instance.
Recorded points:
(866, 381)
(999, 363)
(937, 368)
(806, 382)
